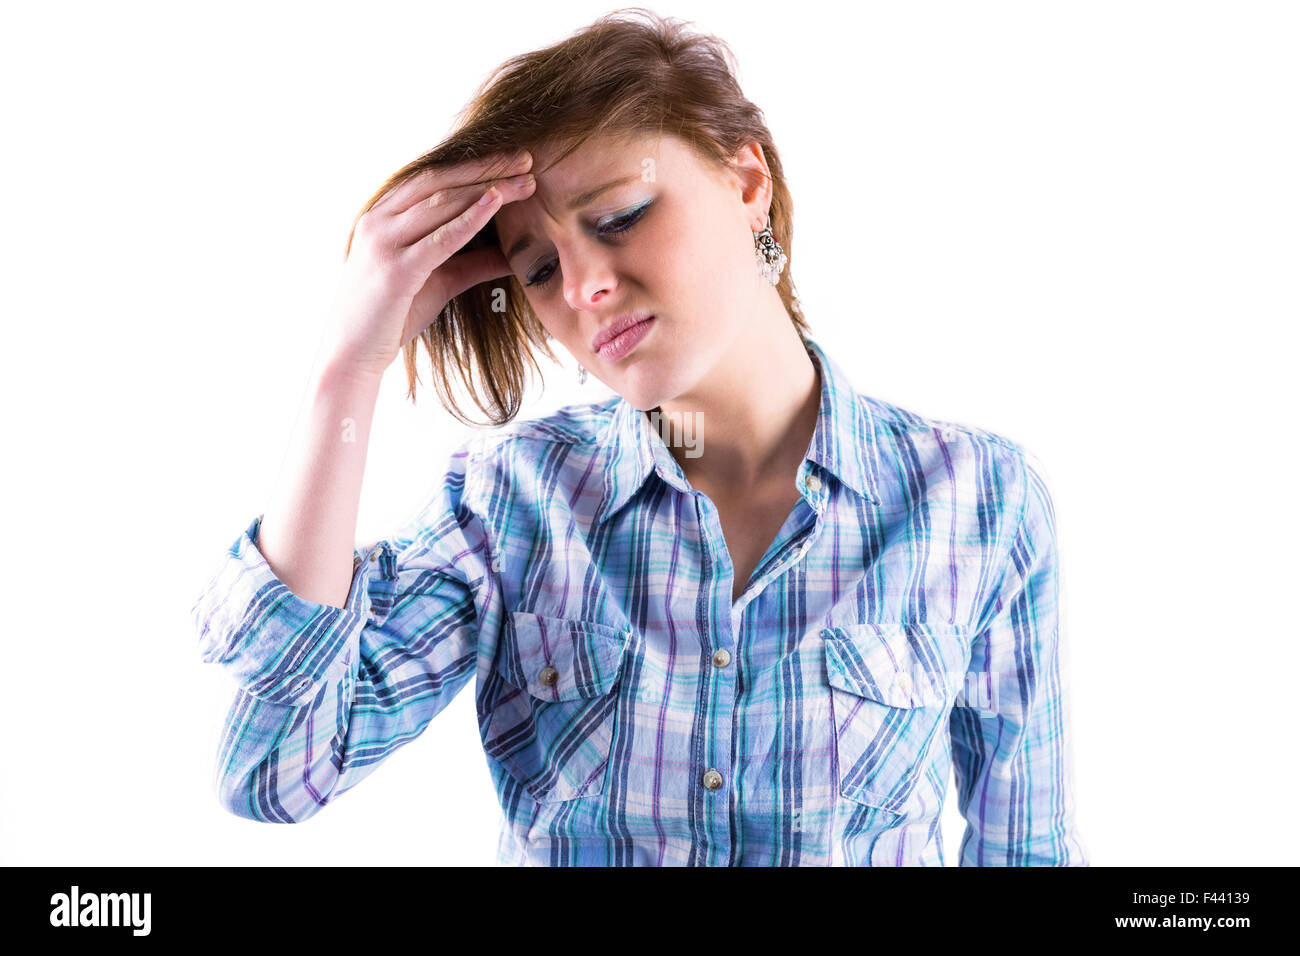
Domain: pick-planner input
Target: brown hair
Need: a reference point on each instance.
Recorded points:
(630, 72)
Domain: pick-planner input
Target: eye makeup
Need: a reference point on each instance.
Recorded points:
(610, 228)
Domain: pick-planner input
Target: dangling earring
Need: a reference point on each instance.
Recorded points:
(582, 375)
(768, 253)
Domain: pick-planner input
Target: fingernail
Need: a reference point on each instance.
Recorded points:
(520, 182)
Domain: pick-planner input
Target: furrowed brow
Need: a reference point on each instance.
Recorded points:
(577, 202)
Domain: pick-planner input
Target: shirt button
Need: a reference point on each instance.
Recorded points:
(721, 658)
(549, 675)
(905, 683)
(374, 555)
(814, 482)
(712, 780)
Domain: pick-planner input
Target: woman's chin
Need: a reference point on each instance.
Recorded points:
(647, 391)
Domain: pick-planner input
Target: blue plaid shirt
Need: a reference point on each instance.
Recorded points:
(902, 625)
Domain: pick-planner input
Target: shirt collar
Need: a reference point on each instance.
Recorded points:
(843, 445)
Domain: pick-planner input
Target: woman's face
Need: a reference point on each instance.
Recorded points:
(673, 239)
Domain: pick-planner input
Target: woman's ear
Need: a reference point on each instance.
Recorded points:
(752, 173)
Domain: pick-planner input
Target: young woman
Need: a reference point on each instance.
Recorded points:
(741, 613)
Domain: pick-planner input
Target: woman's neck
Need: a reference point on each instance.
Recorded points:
(753, 415)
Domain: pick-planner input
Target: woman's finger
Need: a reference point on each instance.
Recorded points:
(445, 205)
(442, 243)
(468, 269)
(427, 182)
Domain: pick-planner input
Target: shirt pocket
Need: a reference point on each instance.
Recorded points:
(552, 723)
(892, 687)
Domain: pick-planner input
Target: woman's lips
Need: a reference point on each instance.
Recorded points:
(626, 340)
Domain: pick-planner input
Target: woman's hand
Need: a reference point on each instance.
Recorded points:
(400, 272)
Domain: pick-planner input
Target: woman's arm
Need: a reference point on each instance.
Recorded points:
(1010, 729)
(325, 693)
(307, 533)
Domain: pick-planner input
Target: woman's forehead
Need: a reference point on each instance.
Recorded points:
(583, 177)
(598, 155)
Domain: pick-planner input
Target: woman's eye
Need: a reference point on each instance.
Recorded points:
(612, 227)
(624, 222)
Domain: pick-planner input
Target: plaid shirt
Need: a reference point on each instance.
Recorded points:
(902, 625)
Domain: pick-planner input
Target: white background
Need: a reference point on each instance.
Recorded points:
(1072, 223)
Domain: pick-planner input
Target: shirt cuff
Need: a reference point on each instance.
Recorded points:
(278, 646)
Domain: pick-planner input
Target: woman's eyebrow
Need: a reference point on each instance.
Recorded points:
(580, 200)
(577, 202)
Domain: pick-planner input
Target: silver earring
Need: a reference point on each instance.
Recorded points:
(582, 375)
(770, 256)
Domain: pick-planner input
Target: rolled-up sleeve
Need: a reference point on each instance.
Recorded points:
(324, 694)
(1010, 728)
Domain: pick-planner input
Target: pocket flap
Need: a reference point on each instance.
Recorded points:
(899, 665)
(561, 659)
